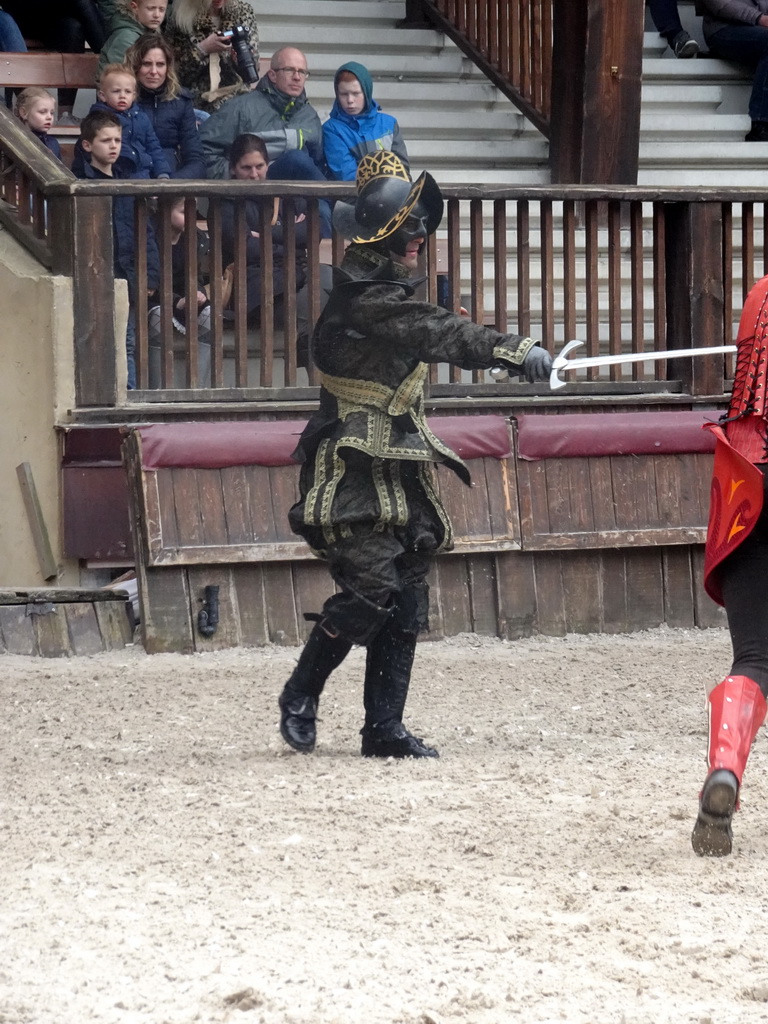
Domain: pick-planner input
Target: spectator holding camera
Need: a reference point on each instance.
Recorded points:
(199, 32)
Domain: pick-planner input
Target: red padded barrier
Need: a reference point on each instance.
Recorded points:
(614, 433)
(270, 443)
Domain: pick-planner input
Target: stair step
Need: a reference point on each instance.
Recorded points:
(710, 69)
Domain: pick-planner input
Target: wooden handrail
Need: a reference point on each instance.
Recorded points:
(626, 268)
(573, 67)
(511, 42)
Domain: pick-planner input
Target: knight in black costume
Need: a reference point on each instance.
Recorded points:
(368, 502)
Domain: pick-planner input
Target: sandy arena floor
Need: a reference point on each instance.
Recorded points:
(166, 859)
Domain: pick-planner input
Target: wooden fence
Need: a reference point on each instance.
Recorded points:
(626, 270)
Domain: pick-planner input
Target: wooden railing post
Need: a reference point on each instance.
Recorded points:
(596, 81)
(695, 293)
(93, 289)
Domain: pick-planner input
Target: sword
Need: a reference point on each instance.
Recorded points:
(561, 363)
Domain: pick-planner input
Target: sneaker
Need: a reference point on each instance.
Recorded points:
(758, 132)
(712, 835)
(684, 46)
(68, 120)
(392, 739)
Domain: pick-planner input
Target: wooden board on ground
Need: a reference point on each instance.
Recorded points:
(56, 623)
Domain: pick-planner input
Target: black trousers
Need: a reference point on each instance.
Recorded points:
(744, 580)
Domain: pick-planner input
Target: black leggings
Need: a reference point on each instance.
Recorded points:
(744, 580)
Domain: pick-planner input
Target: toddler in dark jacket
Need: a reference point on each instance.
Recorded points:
(36, 108)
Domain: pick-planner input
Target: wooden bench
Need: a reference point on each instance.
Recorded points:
(51, 71)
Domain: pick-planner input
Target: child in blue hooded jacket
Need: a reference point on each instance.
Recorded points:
(357, 125)
(117, 95)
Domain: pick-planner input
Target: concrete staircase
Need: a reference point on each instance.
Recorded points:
(694, 117)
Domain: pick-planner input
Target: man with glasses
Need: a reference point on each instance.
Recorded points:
(278, 111)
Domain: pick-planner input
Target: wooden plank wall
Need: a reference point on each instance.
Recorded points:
(604, 544)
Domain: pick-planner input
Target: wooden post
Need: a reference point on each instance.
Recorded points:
(695, 293)
(93, 288)
(596, 81)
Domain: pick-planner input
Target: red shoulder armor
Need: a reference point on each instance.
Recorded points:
(736, 501)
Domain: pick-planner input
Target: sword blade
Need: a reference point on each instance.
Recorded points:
(562, 362)
(642, 357)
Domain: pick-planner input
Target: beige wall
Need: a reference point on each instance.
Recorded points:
(36, 392)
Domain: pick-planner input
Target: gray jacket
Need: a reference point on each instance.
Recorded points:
(722, 13)
(282, 121)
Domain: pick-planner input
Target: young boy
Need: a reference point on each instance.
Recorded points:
(357, 125)
(117, 94)
(130, 20)
(101, 144)
(36, 108)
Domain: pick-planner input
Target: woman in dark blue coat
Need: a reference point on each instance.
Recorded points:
(168, 106)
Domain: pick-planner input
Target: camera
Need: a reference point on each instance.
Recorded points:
(241, 44)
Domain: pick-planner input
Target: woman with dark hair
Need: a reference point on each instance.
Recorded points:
(168, 106)
(197, 31)
(248, 161)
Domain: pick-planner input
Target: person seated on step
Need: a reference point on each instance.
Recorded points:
(737, 30)
(117, 93)
(167, 105)
(103, 160)
(666, 18)
(200, 34)
(36, 108)
(357, 125)
(278, 111)
(249, 162)
(179, 307)
(131, 20)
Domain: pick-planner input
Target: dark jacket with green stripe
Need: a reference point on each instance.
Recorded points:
(373, 344)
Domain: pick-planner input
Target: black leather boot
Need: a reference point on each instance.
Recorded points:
(323, 652)
(387, 678)
(758, 132)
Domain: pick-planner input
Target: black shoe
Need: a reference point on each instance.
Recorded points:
(712, 836)
(392, 739)
(297, 721)
(758, 132)
(684, 46)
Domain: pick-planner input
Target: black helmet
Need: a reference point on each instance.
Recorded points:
(389, 204)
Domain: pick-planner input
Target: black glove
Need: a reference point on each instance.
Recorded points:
(537, 365)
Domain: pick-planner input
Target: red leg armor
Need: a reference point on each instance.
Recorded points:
(737, 709)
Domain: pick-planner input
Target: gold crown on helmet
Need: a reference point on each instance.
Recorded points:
(383, 164)
(376, 167)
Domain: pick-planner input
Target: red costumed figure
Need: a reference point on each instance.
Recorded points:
(735, 570)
